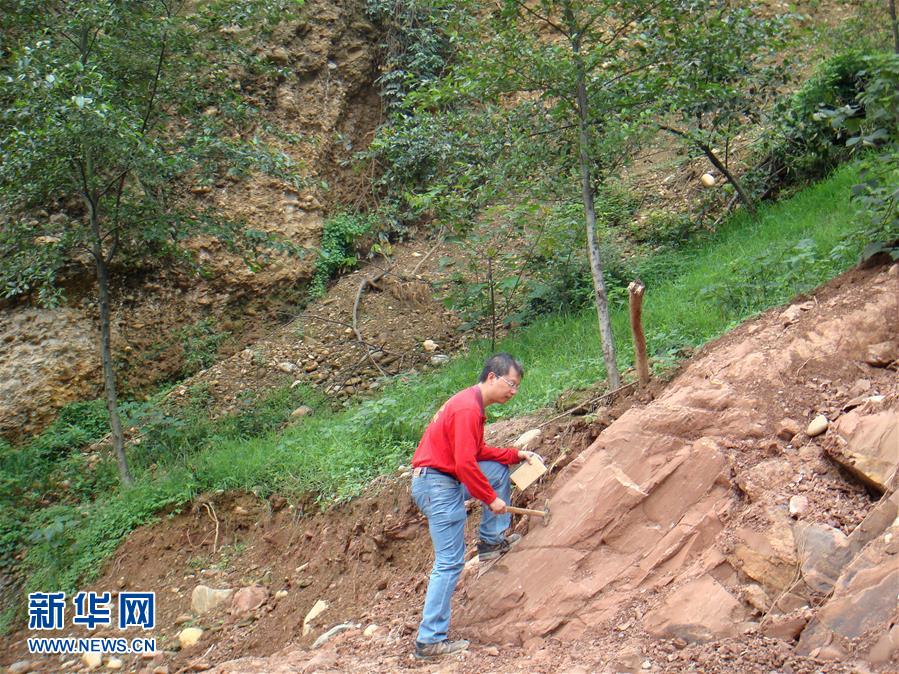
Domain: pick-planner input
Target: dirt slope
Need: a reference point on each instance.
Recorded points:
(701, 531)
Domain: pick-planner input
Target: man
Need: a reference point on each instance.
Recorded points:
(452, 464)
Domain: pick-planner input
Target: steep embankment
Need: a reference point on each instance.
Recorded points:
(330, 103)
(708, 529)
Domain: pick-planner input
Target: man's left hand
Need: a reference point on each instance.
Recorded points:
(530, 457)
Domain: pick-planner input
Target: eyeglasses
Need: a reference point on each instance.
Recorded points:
(512, 385)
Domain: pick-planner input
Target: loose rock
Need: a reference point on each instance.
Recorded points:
(798, 505)
(318, 608)
(301, 411)
(787, 429)
(205, 598)
(248, 599)
(92, 660)
(818, 425)
(189, 636)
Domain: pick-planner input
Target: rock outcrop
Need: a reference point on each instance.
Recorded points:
(674, 501)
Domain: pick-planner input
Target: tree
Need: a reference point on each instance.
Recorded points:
(558, 91)
(724, 72)
(102, 119)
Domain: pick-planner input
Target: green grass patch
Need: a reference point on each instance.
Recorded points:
(694, 294)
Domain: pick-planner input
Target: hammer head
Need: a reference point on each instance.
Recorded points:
(546, 515)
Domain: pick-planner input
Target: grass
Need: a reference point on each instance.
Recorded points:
(694, 294)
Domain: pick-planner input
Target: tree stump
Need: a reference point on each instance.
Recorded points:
(635, 300)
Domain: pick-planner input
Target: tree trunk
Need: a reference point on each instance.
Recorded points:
(599, 286)
(112, 405)
(635, 301)
(744, 196)
(895, 26)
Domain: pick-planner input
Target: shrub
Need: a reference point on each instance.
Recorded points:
(341, 235)
(802, 145)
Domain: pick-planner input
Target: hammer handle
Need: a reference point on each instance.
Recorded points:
(526, 511)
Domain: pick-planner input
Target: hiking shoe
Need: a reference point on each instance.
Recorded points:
(436, 650)
(488, 551)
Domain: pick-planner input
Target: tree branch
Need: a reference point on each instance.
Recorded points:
(542, 18)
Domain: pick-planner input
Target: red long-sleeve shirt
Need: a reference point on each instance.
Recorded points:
(453, 443)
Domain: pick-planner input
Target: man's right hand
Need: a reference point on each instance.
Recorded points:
(497, 506)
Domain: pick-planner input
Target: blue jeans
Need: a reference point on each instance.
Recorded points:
(442, 500)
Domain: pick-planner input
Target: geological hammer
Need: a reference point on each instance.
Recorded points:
(544, 514)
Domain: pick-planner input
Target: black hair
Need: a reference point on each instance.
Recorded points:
(500, 364)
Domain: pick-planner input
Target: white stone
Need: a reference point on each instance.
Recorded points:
(429, 345)
(114, 663)
(189, 636)
(205, 598)
(707, 180)
(371, 630)
(320, 607)
(92, 660)
(280, 594)
(527, 438)
(818, 425)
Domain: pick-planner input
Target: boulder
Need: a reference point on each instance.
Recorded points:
(204, 599)
(616, 526)
(786, 627)
(863, 600)
(769, 556)
(882, 353)
(823, 553)
(700, 611)
(867, 447)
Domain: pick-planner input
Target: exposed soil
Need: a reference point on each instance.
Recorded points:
(370, 558)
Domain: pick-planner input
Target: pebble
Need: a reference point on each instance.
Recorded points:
(818, 425)
(189, 636)
(92, 660)
(798, 505)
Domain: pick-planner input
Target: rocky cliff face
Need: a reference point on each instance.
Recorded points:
(329, 101)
